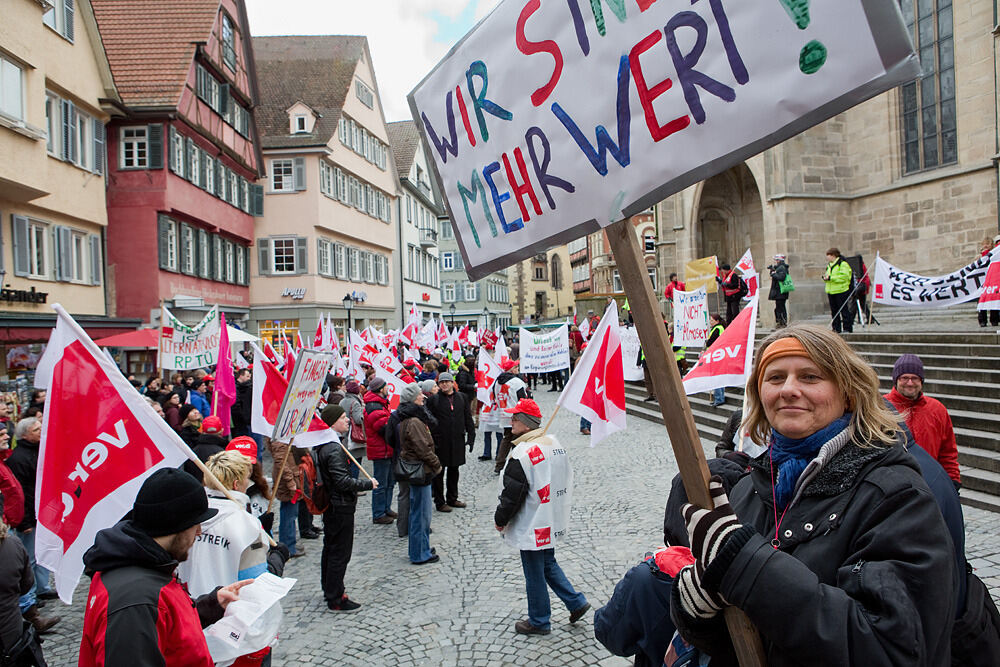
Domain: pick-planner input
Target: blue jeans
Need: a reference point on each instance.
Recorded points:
(488, 445)
(382, 496)
(286, 527)
(719, 395)
(584, 423)
(420, 523)
(29, 599)
(540, 568)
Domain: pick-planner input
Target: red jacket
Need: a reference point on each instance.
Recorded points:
(13, 497)
(671, 286)
(376, 415)
(930, 424)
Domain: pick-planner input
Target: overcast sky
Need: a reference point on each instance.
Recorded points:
(406, 37)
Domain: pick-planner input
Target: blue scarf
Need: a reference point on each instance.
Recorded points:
(792, 456)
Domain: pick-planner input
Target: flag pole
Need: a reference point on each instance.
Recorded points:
(355, 462)
(281, 471)
(674, 406)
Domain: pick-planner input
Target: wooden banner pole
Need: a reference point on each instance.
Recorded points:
(281, 471)
(674, 405)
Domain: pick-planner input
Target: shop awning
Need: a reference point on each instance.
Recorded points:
(143, 338)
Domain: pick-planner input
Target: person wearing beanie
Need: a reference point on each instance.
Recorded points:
(832, 544)
(533, 515)
(429, 387)
(334, 466)
(209, 443)
(137, 611)
(355, 409)
(926, 417)
(409, 434)
(454, 432)
(378, 450)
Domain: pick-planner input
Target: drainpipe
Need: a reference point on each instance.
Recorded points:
(996, 112)
(399, 251)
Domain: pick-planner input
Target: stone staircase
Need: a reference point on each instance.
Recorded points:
(962, 370)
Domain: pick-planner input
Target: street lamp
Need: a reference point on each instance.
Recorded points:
(486, 316)
(451, 309)
(348, 304)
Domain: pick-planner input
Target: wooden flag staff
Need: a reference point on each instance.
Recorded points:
(674, 405)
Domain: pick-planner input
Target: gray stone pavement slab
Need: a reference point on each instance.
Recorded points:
(461, 611)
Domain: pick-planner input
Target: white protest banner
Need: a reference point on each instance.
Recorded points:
(186, 348)
(630, 353)
(895, 287)
(544, 351)
(551, 120)
(690, 318)
(304, 389)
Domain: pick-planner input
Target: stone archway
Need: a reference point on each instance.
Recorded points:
(730, 217)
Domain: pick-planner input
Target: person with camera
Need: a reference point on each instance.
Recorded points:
(779, 274)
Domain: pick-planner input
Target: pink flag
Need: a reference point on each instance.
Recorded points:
(727, 362)
(100, 441)
(596, 390)
(225, 383)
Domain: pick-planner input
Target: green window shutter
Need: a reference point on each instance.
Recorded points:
(163, 230)
(257, 200)
(182, 230)
(220, 180)
(202, 168)
(96, 266)
(68, 13)
(300, 173)
(264, 257)
(172, 156)
(301, 247)
(204, 255)
(63, 240)
(154, 137)
(188, 158)
(66, 109)
(98, 134)
(224, 99)
(22, 261)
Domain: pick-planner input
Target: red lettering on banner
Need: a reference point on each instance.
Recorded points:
(543, 536)
(535, 455)
(543, 494)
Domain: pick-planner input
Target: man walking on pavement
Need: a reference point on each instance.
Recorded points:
(533, 514)
(454, 432)
(926, 417)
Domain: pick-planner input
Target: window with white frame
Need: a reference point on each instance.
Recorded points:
(135, 147)
(368, 267)
(169, 249)
(434, 280)
(382, 270)
(470, 291)
(649, 241)
(341, 185)
(340, 259)
(218, 259)
(283, 255)
(409, 263)
(209, 183)
(447, 261)
(194, 158)
(364, 94)
(11, 89)
(83, 142)
(178, 151)
(300, 123)
(59, 17)
(228, 42)
(447, 232)
(241, 265)
(230, 262)
(52, 125)
(327, 184)
(409, 208)
(234, 189)
(448, 292)
(187, 250)
(204, 254)
(354, 263)
(652, 275)
(323, 255)
(616, 282)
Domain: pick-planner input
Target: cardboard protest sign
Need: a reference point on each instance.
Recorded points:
(544, 351)
(702, 273)
(304, 389)
(551, 120)
(990, 298)
(186, 348)
(690, 318)
(630, 353)
(896, 287)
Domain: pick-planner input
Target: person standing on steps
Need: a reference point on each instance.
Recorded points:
(533, 515)
(455, 431)
(734, 288)
(779, 272)
(838, 290)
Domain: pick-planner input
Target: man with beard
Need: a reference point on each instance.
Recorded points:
(455, 431)
(137, 612)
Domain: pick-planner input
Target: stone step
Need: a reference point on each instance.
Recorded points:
(984, 481)
(980, 500)
(947, 349)
(977, 438)
(980, 459)
(964, 361)
(933, 374)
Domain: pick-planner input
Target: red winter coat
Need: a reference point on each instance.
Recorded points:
(376, 415)
(671, 286)
(13, 497)
(930, 424)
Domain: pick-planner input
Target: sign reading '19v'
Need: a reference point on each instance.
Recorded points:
(304, 389)
(552, 119)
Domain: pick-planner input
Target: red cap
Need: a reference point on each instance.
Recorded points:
(509, 364)
(211, 424)
(208, 378)
(526, 406)
(245, 445)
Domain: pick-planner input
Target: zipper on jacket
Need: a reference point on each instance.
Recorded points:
(857, 568)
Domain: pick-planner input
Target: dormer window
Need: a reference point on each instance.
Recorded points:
(300, 123)
(301, 118)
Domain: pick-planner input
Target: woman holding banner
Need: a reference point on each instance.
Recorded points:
(833, 544)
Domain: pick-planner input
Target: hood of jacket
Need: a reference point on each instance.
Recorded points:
(504, 377)
(123, 544)
(408, 410)
(372, 397)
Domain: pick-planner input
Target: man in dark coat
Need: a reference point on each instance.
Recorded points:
(455, 430)
(244, 399)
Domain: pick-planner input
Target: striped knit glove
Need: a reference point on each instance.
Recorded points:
(708, 530)
(695, 600)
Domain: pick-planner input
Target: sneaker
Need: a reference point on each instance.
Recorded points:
(299, 553)
(443, 508)
(309, 534)
(457, 503)
(433, 559)
(526, 628)
(345, 604)
(485, 458)
(575, 616)
(384, 520)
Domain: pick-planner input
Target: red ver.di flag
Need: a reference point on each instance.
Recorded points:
(596, 390)
(100, 441)
(727, 362)
(990, 298)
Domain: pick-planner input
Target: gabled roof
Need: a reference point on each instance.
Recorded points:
(404, 139)
(314, 70)
(151, 44)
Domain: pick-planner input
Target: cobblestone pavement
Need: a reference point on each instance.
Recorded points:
(461, 611)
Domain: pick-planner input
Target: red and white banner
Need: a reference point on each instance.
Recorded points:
(441, 333)
(488, 339)
(393, 383)
(318, 337)
(585, 329)
(269, 387)
(100, 441)
(501, 347)
(596, 390)
(746, 268)
(487, 372)
(388, 362)
(728, 361)
(990, 298)
(409, 333)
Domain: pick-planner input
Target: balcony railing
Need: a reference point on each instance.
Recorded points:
(428, 237)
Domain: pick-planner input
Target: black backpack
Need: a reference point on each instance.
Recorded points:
(975, 639)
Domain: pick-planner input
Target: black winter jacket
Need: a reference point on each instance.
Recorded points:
(778, 274)
(454, 429)
(400, 414)
(336, 471)
(862, 572)
(23, 462)
(466, 381)
(16, 579)
(241, 409)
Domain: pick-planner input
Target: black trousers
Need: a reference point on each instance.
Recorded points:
(732, 310)
(845, 317)
(338, 542)
(438, 491)
(994, 316)
(305, 518)
(556, 380)
(503, 449)
(780, 314)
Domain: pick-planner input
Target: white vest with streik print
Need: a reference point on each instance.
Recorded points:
(544, 518)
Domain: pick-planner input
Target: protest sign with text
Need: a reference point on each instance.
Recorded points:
(895, 287)
(551, 120)
(690, 318)
(304, 389)
(544, 351)
(702, 273)
(186, 348)
(630, 353)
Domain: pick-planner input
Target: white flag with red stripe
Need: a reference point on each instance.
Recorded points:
(501, 347)
(100, 441)
(585, 329)
(596, 390)
(393, 383)
(746, 268)
(318, 336)
(487, 372)
(728, 361)
(388, 362)
(269, 387)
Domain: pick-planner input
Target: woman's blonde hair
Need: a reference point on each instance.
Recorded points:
(228, 467)
(3, 529)
(873, 423)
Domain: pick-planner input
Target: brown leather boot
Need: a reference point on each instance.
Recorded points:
(43, 624)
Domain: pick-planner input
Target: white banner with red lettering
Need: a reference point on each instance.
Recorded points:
(896, 287)
(990, 298)
(100, 441)
(728, 361)
(690, 318)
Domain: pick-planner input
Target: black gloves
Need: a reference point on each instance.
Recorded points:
(277, 556)
(267, 521)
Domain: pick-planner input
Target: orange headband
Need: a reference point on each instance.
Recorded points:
(783, 347)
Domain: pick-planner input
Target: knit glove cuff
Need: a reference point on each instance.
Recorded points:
(695, 600)
(708, 529)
